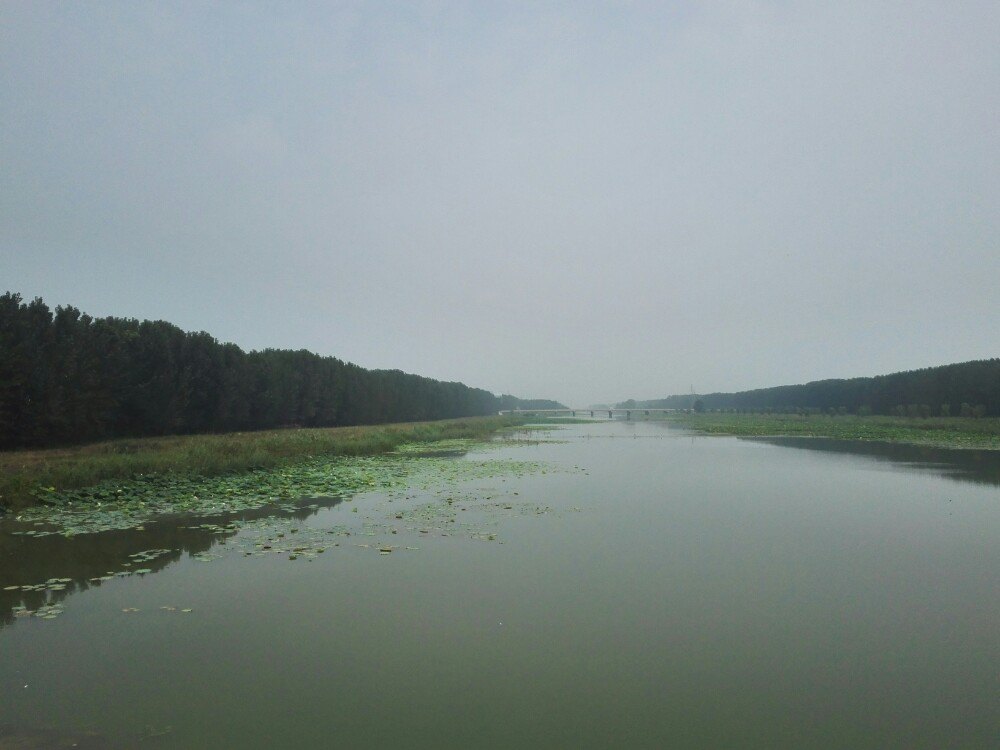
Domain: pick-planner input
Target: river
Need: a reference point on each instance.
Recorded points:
(640, 587)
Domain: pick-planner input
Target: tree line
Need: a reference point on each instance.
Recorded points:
(66, 377)
(968, 389)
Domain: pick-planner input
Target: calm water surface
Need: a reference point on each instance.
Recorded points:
(674, 591)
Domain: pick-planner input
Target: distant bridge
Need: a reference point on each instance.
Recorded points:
(592, 412)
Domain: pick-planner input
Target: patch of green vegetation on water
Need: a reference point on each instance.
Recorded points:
(424, 448)
(509, 442)
(30, 477)
(407, 498)
(397, 519)
(520, 436)
(940, 432)
(45, 611)
(131, 503)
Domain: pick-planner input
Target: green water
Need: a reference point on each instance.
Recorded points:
(651, 589)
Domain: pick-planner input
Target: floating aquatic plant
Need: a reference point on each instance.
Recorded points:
(129, 504)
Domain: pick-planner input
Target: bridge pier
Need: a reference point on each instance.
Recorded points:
(609, 414)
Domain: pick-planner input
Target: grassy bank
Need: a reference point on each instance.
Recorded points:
(25, 475)
(942, 432)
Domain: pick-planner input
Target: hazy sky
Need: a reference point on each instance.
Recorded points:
(583, 201)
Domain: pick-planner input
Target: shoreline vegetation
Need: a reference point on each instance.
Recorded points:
(67, 378)
(938, 432)
(963, 389)
(27, 476)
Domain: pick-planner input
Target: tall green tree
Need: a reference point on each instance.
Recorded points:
(67, 377)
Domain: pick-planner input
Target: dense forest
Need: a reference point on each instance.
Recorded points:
(970, 389)
(66, 377)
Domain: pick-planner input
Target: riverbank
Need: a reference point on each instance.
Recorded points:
(26, 477)
(940, 432)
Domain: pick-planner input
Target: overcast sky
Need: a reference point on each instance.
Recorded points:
(583, 201)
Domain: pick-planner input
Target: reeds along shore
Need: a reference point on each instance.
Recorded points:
(940, 432)
(24, 473)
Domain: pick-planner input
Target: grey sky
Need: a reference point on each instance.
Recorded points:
(584, 201)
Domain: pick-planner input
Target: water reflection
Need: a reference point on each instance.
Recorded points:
(29, 561)
(975, 466)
